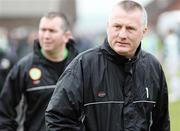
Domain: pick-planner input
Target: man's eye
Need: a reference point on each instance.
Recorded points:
(43, 30)
(117, 27)
(52, 31)
(130, 28)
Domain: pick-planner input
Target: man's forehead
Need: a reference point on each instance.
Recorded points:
(51, 19)
(118, 11)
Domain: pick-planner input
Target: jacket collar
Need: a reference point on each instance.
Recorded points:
(112, 55)
(38, 57)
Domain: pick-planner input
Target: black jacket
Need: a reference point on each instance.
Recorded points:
(103, 91)
(33, 77)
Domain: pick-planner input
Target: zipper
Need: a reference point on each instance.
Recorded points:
(151, 121)
(147, 92)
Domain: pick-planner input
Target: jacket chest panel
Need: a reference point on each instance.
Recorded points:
(107, 85)
(40, 76)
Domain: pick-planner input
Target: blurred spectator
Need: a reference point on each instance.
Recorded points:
(153, 44)
(26, 44)
(7, 58)
(83, 43)
(172, 63)
(21, 40)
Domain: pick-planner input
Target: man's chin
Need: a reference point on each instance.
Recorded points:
(121, 49)
(48, 50)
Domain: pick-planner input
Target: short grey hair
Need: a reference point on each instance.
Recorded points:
(62, 16)
(129, 5)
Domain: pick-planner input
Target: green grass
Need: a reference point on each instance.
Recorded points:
(175, 116)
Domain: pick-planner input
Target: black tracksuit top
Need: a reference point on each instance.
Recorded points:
(103, 91)
(33, 77)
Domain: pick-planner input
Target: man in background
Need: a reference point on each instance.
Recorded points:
(34, 76)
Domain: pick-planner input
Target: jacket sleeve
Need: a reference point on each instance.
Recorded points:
(160, 116)
(9, 99)
(65, 108)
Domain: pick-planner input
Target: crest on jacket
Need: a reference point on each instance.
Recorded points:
(35, 73)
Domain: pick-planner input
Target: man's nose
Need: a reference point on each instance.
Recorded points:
(122, 33)
(46, 34)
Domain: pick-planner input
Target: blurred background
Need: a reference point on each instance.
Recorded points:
(19, 21)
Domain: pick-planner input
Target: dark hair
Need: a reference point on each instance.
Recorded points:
(51, 15)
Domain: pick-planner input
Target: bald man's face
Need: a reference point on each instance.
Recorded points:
(125, 31)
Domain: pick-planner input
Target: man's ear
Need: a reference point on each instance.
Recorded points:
(68, 35)
(107, 27)
(145, 30)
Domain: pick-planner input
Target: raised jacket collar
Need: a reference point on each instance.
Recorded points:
(112, 55)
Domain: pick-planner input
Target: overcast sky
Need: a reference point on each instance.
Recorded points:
(92, 14)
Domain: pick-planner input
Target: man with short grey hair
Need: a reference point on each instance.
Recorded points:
(114, 87)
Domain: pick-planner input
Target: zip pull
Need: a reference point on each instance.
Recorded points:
(151, 121)
(147, 92)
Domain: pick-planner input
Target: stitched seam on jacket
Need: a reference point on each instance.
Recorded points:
(41, 88)
(105, 102)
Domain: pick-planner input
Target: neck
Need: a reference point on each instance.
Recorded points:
(55, 56)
